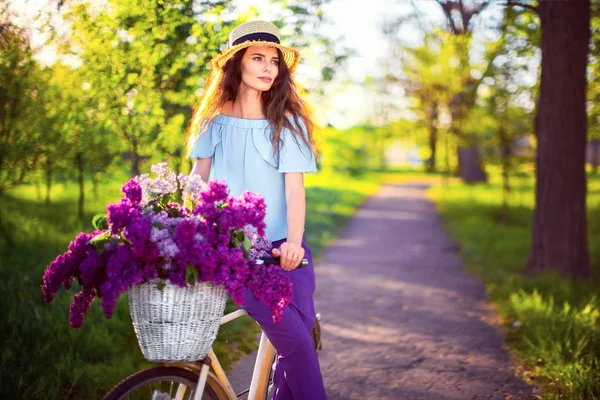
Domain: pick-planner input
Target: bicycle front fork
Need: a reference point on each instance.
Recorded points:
(201, 381)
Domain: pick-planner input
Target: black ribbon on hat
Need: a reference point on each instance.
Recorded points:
(263, 36)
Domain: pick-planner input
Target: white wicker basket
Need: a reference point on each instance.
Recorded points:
(176, 323)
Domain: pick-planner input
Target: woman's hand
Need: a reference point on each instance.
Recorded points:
(291, 255)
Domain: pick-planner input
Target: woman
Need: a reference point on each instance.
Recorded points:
(252, 130)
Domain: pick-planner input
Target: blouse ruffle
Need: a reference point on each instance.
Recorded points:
(292, 155)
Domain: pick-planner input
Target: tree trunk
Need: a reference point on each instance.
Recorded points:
(6, 230)
(559, 236)
(48, 179)
(135, 159)
(94, 176)
(447, 170)
(79, 165)
(382, 160)
(506, 151)
(432, 115)
(469, 165)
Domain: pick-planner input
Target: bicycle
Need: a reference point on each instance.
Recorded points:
(195, 381)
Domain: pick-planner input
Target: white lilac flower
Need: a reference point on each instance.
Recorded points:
(192, 186)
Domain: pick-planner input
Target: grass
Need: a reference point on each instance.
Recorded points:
(43, 357)
(551, 322)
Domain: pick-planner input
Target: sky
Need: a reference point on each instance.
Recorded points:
(358, 22)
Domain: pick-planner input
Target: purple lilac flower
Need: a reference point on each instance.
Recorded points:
(138, 229)
(267, 283)
(81, 303)
(54, 276)
(217, 191)
(146, 241)
(119, 214)
(91, 269)
(133, 192)
(261, 245)
(167, 248)
(65, 267)
(122, 270)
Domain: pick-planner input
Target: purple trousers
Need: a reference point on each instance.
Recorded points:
(297, 372)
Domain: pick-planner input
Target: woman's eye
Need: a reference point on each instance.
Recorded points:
(258, 58)
(276, 62)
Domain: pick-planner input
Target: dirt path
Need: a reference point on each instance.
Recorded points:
(400, 317)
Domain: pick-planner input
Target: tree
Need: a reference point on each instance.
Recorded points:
(19, 108)
(459, 17)
(512, 116)
(559, 236)
(429, 71)
(143, 61)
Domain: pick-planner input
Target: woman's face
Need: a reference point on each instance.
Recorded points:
(260, 66)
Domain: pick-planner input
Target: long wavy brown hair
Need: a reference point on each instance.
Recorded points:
(222, 86)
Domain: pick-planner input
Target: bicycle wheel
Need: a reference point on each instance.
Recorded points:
(160, 383)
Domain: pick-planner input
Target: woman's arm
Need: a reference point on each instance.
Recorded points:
(202, 167)
(295, 198)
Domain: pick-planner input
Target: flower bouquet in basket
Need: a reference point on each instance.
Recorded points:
(177, 262)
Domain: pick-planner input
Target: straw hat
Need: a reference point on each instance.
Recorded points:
(256, 33)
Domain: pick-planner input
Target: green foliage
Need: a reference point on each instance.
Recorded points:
(21, 105)
(553, 323)
(560, 341)
(302, 31)
(593, 93)
(353, 151)
(142, 67)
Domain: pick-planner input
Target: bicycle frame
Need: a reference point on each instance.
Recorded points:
(259, 375)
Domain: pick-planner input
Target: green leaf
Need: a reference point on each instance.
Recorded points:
(247, 243)
(158, 225)
(191, 274)
(161, 285)
(178, 196)
(100, 238)
(100, 221)
(147, 211)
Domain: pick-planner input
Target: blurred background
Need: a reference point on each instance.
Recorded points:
(501, 120)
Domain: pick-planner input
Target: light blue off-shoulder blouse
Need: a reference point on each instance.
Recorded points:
(242, 155)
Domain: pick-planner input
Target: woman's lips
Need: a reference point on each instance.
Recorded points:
(267, 80)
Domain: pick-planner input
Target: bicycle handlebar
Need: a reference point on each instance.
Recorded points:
(275, 261)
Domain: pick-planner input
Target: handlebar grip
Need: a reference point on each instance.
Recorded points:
(276, 261)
